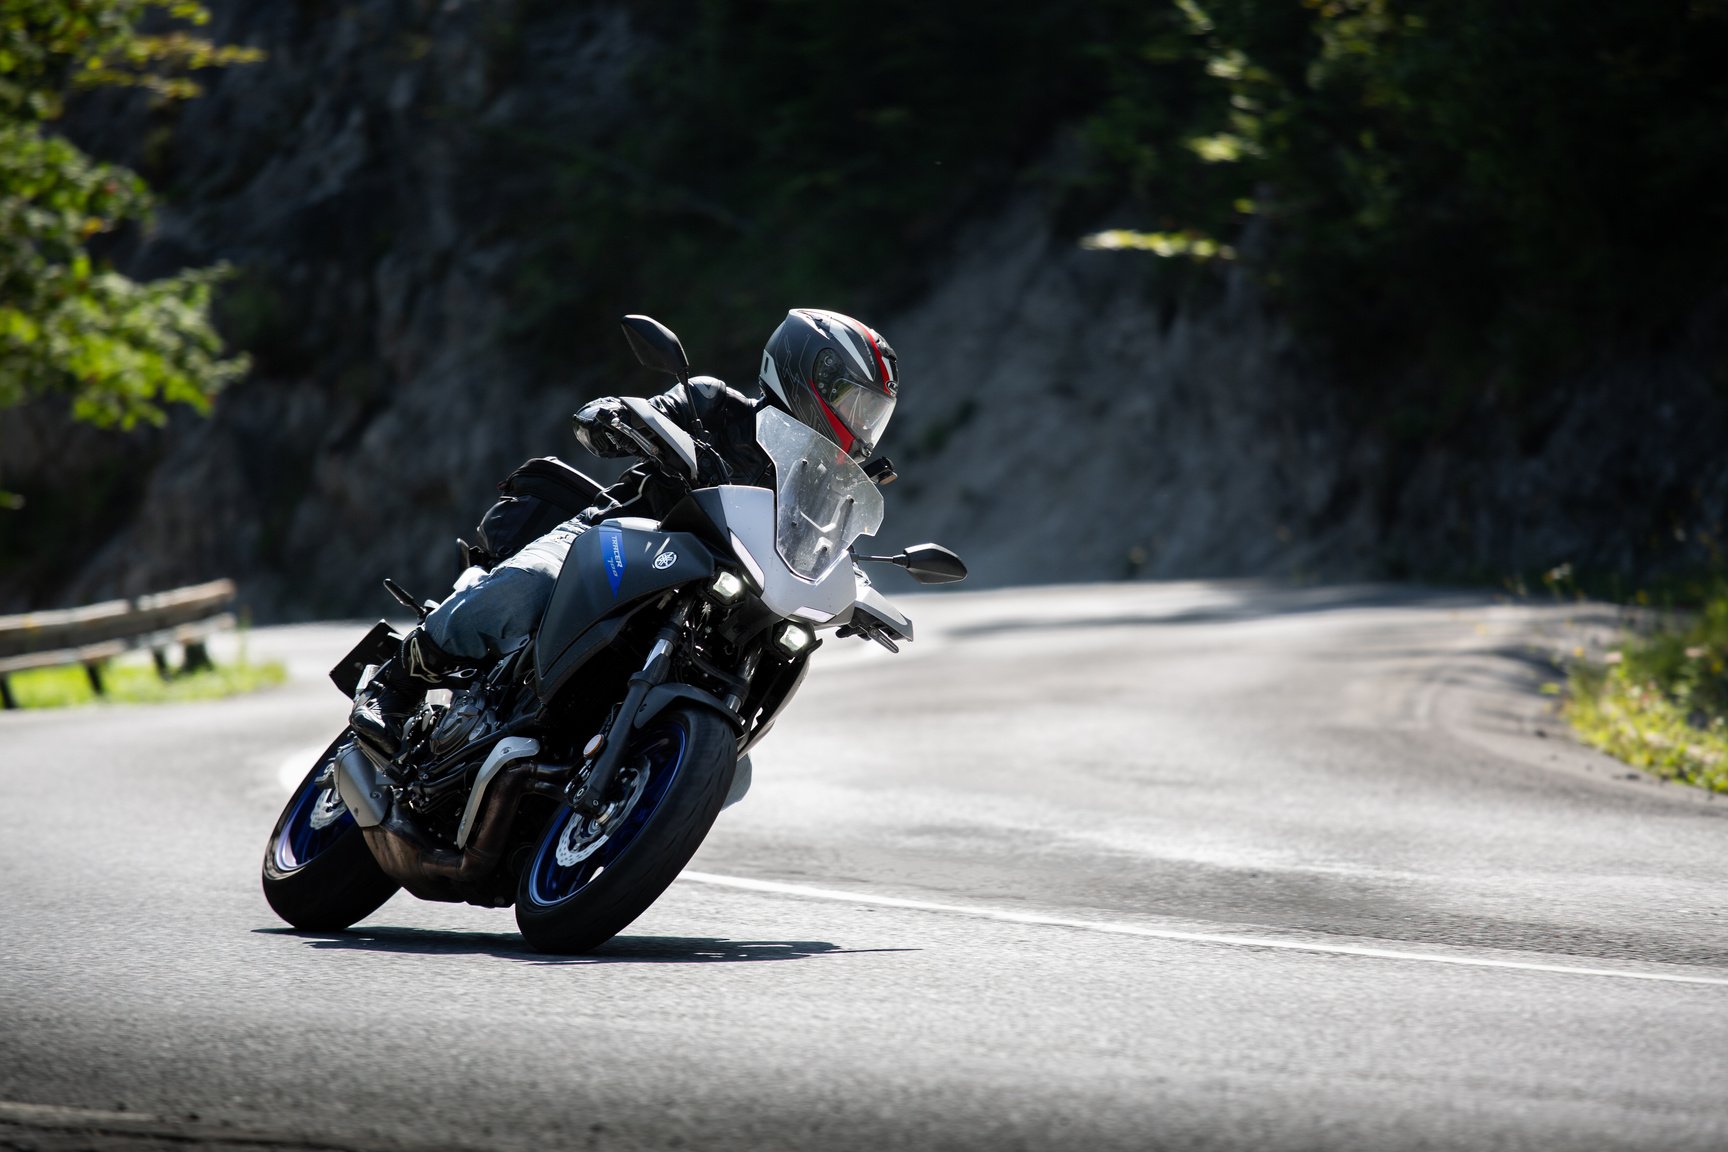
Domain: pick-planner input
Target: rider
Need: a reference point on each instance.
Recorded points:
(825, 369)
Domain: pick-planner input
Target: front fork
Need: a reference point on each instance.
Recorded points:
(589, 797)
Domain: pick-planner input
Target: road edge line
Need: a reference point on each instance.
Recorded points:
(1116, 928)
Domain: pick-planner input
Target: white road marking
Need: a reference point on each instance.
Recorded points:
(55, 1113)
(180, 1130)
(1120, 929)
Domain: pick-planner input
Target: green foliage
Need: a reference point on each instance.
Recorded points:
(1480, 193)
(118, 348)
(135, 683)
(1661, 701)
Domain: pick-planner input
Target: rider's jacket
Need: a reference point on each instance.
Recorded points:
(707, 409)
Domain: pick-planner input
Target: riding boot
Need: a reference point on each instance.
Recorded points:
(383, 706)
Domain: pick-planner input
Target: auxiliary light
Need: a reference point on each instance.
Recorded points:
(727, 587)
(793, 639)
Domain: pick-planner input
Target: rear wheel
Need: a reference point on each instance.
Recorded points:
(587, 881)
(318, 873)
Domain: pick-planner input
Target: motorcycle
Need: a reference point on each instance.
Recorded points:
(577, 776)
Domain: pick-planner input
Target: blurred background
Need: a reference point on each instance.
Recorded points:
(1308, 289)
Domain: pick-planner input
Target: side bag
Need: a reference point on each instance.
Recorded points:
(534, 499)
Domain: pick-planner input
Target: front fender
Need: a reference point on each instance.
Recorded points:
(662, 695)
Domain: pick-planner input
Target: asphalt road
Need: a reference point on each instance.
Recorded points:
(1151, 866)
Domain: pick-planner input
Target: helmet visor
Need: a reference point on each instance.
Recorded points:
(865, 413)
(861, 406)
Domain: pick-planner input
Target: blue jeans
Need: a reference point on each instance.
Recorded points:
(492, 615)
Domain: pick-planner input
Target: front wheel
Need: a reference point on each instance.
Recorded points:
(587, 881)
(318, 873)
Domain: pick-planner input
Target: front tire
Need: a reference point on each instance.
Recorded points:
(319, 875)
(581, 887)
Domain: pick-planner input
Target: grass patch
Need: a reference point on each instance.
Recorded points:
(1661, 701)
(68, 687)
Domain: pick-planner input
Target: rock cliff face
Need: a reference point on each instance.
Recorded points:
(353, 180)
(1623, 477)
(1061, 422)
(1064, 417)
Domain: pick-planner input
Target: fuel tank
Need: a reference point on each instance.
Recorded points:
(612, 570)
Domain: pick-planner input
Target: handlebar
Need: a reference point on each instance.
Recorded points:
(871, 631)
(618, 424)
(665, 457)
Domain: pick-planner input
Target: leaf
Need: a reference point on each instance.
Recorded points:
(120, 350)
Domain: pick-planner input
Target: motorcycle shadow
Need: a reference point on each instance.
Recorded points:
(618, 950)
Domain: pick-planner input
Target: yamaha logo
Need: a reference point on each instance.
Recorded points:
(665, 560)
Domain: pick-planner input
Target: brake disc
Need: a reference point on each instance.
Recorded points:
(583, 836)
(328, 807)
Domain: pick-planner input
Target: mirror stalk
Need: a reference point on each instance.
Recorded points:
(928, 563)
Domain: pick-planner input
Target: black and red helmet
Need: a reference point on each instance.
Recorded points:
(833, 373)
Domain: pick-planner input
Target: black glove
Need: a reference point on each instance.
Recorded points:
(594, 428)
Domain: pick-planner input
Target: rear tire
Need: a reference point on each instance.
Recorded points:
(319, 875)
(575, 906)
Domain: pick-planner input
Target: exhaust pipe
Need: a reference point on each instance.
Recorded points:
(433, 872)
(357, 783)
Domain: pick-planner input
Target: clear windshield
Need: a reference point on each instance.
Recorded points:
(822, 500)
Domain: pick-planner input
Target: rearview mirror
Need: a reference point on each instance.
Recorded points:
(928, 564)
(655, 346)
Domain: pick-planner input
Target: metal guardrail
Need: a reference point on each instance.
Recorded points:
(99, 632)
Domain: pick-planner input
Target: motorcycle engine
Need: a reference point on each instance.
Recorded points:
(464, 719)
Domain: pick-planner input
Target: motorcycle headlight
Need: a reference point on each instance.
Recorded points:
(793, 639)
(727, 587)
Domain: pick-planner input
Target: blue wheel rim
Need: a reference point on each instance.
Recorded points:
(305, 836)
(551, 883)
